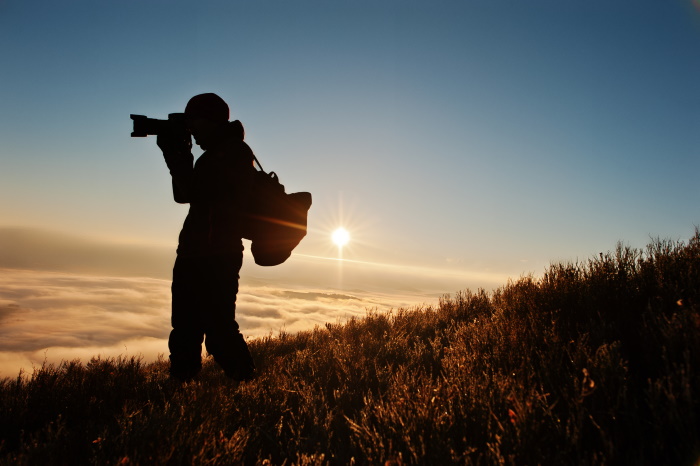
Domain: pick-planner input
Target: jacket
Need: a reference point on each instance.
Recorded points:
(217, 188)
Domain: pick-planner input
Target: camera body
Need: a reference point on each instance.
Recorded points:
(174, 126)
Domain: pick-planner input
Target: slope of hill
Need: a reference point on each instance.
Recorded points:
(593, 363)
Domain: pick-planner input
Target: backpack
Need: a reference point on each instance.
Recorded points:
(275, 221)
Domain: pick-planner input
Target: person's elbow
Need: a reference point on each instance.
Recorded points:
(181, 193)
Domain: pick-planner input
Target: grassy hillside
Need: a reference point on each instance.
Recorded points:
(593, 363)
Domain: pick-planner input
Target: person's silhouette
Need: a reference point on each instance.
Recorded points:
(210, 250)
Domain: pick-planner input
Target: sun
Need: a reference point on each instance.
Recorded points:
(340, 237)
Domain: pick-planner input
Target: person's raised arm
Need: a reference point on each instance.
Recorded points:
(178, 156)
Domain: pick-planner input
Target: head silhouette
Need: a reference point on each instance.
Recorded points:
(206, 116)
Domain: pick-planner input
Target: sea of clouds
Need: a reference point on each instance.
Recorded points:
(65, 298)
(54, 316)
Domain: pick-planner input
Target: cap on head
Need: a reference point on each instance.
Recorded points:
(209, 106)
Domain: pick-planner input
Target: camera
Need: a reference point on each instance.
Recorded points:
(174, 126)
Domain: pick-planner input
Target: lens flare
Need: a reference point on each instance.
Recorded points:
(340, 237)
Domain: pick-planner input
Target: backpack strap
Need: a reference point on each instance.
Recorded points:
(255, 159)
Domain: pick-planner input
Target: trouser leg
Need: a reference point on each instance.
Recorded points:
(185, 354)
(204, 302)
(185, 342)
(223, 338)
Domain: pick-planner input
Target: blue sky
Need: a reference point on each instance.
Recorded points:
(460, 137)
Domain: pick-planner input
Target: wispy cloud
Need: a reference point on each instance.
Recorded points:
(313, 296)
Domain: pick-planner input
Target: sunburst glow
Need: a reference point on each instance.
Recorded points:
(340, 237)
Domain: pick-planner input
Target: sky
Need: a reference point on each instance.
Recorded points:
(462, 144)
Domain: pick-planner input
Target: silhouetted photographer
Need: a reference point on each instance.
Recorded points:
(210, 251)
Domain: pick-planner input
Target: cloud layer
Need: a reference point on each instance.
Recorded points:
(54, 316)
(58, 316)
(62, 297)
(40, 249)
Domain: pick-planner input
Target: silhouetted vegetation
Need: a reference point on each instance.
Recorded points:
(595, 362)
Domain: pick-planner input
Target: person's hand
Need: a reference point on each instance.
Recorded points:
(177, 152)
(171, 144)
